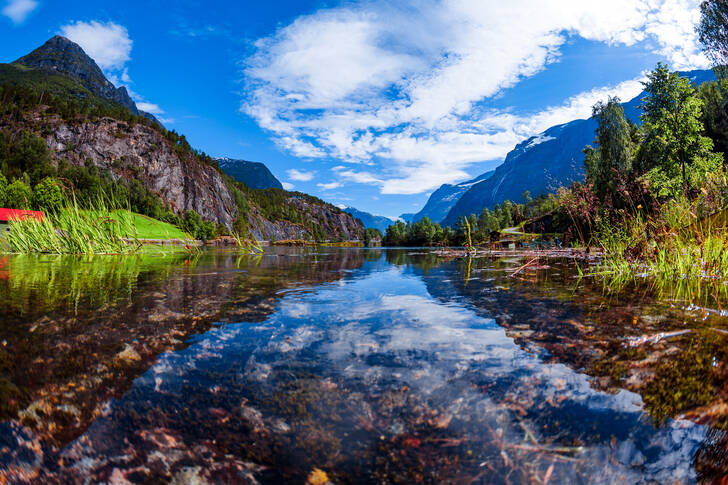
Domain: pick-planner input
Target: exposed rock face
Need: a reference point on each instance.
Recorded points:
(60, 55)
(253, 174)
(182, 180)
(141, 152)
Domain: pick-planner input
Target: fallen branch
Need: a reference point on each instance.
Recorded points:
(518, 270)
(653, 339)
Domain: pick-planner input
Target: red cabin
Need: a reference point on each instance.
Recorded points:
(7, 215)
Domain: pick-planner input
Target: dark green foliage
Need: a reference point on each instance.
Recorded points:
(24, 153)
(18, 195)
(48, 195)
(421, 233)
(372, 235)
(613, 151)
(713, 33)
(426, 233)
(674, 153)
(715, 115)
(199, 228)
(3, 190)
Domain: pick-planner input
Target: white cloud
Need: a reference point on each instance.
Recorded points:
(107, 43)
(299, 175)
(150, 108)
(398, 85)
(288, 186)
(18, 10)
(330, 185)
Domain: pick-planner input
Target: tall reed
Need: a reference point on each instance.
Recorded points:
(680, 255)
(72, 230)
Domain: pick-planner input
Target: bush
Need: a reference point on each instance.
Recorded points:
(3, 189)
(18, 195)
(198, 228)
(47, 195)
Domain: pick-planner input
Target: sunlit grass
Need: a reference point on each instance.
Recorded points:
(679, 255)
(71, 230)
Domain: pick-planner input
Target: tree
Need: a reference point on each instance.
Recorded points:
(47, 195)
(396, 233)
(18, 195)
(713, 33)
(674, 152)
(715, 115)
(612, 154)
(372, 235)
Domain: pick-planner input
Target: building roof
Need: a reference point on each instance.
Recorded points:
(17, 214)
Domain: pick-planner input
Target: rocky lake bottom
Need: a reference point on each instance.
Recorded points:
(338, 365)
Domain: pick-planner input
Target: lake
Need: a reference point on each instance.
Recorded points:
(351, 366)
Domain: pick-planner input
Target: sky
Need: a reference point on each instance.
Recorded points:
(370, 104)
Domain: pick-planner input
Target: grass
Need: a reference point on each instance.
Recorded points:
(148, 228)
(71, 230)
(681, 256)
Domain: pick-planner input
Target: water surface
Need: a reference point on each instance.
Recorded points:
(352, 365)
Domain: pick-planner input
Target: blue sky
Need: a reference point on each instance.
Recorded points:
(370, 104)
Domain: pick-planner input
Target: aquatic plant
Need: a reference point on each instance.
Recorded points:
(679, 254)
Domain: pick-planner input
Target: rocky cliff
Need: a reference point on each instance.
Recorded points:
(101, 131)
(335, 224)
(139, 152)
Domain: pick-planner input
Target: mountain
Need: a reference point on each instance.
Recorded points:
(66, 119)
(407, 217)
(543, 163)
(443, 199)
(253, 174)
(370, 221)
(60, 55)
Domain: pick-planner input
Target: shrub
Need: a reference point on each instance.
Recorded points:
(48, 195)
(3, 189)
(18, 195)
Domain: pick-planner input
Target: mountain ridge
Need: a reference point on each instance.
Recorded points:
(255, 175)
(442, 200)
(370, 221)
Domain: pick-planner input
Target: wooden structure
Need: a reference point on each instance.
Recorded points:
(7, 215)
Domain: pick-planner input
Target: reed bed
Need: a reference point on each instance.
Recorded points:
(680, 255)
(71, 230)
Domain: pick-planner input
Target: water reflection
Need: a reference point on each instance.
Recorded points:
(368, 366)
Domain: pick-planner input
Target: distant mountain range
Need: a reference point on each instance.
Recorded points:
(370, 220)
(540, 164)
(442, 200)
(253, 174)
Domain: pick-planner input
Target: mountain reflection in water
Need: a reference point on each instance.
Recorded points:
(358, 366)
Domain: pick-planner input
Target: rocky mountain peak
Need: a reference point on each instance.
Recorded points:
(64, 56)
